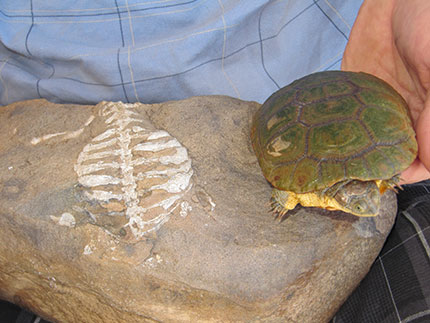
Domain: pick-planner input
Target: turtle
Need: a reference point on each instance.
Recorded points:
(335, 140)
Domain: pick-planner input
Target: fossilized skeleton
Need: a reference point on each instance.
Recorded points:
(134, 170)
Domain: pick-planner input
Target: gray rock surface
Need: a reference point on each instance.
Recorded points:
(201, 245)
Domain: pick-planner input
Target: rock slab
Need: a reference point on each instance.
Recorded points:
(140, 213)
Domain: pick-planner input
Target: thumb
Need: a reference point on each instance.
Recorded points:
(420, 168)
(422, 130)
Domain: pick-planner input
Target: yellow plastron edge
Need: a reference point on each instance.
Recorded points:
(284, 201)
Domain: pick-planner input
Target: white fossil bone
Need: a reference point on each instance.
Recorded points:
(145, 169)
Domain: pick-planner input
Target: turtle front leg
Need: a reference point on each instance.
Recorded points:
(282, 202)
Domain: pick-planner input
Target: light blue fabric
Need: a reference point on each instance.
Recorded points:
(80, 51)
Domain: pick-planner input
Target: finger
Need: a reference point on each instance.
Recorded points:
(416, 172)
(422, 130)
(420, 169)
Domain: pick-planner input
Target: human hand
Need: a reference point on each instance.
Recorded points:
(391, 39)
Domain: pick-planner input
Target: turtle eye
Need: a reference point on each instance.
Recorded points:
(358, 208)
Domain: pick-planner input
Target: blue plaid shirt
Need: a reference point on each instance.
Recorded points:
(77, 51)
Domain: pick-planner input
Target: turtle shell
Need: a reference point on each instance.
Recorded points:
(332, 126)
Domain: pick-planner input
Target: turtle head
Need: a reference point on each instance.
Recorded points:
(361, 198)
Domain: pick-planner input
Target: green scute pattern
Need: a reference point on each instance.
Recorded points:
(331, 126)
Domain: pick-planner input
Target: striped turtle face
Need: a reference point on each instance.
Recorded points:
(331, 127)
(359, 198)
(132, 172)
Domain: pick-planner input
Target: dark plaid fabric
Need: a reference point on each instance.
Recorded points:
(10, 313)
(397, 288)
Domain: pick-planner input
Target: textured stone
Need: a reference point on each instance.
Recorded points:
(72, 177)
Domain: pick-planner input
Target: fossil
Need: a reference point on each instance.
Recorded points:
(134, 170)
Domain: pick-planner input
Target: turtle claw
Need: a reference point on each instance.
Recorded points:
(278, 211)
(284, 215)
(391, 184)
